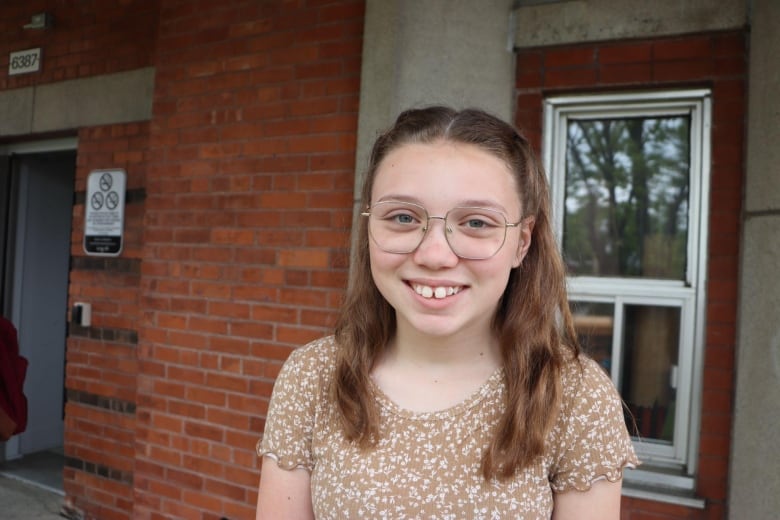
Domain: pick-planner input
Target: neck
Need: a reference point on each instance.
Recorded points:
(477, 350)
(425, 373)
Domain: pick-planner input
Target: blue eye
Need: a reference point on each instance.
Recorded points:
(404, 219)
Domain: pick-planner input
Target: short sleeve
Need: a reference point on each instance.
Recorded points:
(593, 441)
(292, 411)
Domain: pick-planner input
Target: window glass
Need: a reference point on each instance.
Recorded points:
(649, 381)
(626, 197)
(594, 323)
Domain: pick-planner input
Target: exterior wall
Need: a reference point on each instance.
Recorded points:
(102, 362)
(96, 65)
(83, 42)
(248, 211)
(715, 60)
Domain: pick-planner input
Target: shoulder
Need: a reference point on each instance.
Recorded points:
(589, 400)
(310, 362)
(299, 396)
(583, 377)
(318, 354)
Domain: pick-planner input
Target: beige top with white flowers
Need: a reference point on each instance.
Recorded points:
(427, 465)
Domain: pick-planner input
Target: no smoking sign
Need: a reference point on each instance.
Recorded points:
(105, 212)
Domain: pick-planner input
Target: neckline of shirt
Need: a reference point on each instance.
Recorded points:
(490, 385)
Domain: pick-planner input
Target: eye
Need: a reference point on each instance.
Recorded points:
(476, 223)
(482, 219)
(403, 218)
(399, 215)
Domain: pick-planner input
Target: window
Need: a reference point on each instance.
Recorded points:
(630, 176)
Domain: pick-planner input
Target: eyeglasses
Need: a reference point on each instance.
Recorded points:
(472, 233)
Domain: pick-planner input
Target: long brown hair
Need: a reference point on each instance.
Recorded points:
(532, 323)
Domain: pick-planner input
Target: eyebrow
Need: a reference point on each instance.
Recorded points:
(466, 203)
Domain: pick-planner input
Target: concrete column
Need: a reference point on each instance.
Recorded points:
(754, 476)
(416, 53)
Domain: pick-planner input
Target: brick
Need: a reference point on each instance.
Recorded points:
(252, 330)
(676, 49)
(227, 419)
(312, 258)
(206, 396)
(683, 70)
(569, 57)
(570, 77)
(226, 382)
(627, 73)
(203, 431)
(297, 335)
(273, 313)
(625, 53)
(201, 500)
(180, 510)
(283, 200)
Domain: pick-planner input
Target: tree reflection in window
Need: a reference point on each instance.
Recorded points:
(626, 209)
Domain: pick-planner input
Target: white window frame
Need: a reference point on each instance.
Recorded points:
(678, 461)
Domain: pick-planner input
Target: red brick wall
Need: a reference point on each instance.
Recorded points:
(102, 365)
(87, 38)
(248, 210)
(717, 61)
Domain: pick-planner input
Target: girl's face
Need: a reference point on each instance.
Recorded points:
(433, 291)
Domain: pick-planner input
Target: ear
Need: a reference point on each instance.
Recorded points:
(526, 231)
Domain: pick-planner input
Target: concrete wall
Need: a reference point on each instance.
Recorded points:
(67, 105)
(755, 479)
(454, 52)
(594, 20)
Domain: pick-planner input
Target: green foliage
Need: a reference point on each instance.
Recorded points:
(627, 187)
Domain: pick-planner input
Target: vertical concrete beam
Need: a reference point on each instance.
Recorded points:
(755, 458)
(453, 52)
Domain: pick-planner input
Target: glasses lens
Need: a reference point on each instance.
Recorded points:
(397, 227)
(475, 233)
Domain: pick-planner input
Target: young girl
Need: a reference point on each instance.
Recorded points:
(453, 387)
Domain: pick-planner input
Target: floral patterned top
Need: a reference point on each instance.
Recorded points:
(427, 465)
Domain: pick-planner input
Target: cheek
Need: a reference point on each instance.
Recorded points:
(498, 271)
(382, 265)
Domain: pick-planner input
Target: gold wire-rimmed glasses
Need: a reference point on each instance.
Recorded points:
(473, 233)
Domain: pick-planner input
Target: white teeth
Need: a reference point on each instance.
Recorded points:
(440, 292)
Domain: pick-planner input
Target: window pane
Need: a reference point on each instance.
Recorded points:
(626, 208)
(594, 323)
(648, 385)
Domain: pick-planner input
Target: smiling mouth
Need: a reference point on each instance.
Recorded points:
(426, 291)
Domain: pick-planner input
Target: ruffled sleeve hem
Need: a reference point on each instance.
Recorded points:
(612, 474)
(286, 463)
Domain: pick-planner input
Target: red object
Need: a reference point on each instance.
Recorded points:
(13, 369)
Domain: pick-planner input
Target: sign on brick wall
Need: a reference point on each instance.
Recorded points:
(23, 62)
(105, 212)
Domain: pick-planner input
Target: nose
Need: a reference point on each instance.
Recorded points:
(434, 251)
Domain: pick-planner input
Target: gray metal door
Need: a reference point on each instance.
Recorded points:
(39, 228)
